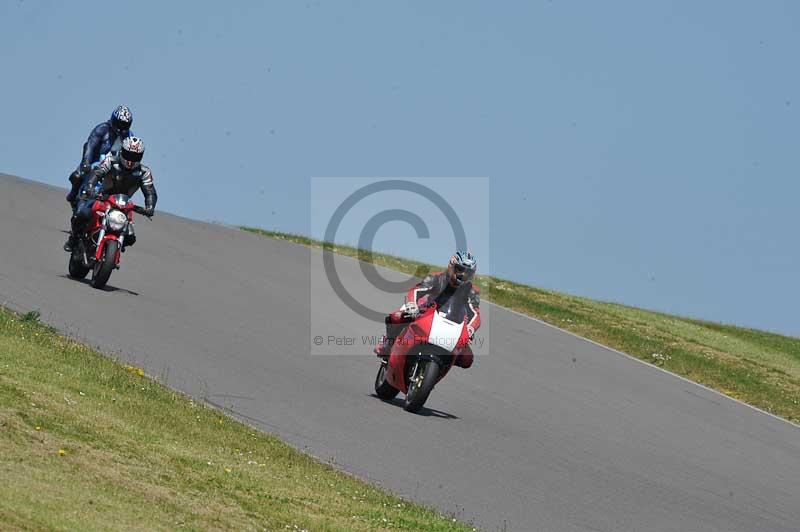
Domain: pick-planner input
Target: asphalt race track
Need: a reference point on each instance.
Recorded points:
(549, 432)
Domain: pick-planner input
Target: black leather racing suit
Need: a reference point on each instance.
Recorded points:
(116, 179)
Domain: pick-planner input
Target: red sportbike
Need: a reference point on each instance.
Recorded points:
(424, 353)
(100, 247)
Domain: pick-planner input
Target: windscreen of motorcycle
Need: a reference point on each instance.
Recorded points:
(120, 200)
(450, 318)
(445, 333)
(455, 307)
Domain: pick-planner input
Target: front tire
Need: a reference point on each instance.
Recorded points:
(104, 267)
(383, 389)
(421, 386)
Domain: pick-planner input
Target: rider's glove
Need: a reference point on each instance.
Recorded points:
(88, 193)
(411, 309)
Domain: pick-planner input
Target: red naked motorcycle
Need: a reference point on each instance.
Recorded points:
(100, 247)
(424, 353)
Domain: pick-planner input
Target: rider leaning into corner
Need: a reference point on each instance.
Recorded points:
(437, 287)
(122, 173)
(105, 137)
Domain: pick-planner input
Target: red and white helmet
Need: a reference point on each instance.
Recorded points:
(132, 152)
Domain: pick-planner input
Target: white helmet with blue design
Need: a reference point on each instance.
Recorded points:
(121, 120)
(462, 267)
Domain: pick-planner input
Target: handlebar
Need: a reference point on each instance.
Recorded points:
(142, 211)
(136, 208)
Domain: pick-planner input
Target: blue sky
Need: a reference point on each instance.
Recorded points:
(642, 152)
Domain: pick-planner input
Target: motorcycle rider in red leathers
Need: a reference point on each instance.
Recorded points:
(437, 287)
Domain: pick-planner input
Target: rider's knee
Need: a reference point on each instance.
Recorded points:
(130, 235)
(465, 358)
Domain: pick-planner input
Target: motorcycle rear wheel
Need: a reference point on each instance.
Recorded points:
(383, 389)
(104, 267)
(77, 270)
(421, 386)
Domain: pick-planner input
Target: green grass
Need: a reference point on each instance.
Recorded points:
(759, 368)
(89, 444)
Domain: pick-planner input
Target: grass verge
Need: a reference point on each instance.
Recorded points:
(89, 444)
(757, 367)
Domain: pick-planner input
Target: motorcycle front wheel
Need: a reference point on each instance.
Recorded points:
(107, 263)
(421, 385)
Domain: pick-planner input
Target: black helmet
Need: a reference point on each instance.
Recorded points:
(121, 119)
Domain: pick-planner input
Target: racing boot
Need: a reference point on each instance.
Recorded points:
(75, 179)
(70, 244)
(72, 241)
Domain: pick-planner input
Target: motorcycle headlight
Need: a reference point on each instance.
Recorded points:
(116, 220)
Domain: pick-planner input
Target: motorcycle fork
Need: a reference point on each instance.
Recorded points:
(412, 376)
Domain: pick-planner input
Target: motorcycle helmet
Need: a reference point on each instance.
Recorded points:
(462, 267)
(131, 153)
(121, 120)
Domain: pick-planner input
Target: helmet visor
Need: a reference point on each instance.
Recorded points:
(460, 273)
(131, 156)
(120, 126)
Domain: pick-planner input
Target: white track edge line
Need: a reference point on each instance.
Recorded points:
(644, 362)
